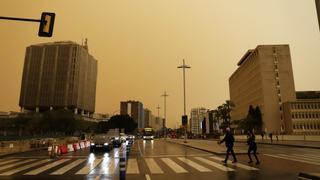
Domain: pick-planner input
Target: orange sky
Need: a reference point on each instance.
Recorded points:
(140, 43)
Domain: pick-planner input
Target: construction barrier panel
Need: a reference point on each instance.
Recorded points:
(82, 146)
(63, 149)
(70, 148)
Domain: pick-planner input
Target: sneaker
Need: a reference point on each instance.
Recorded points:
(250, 162)
(224, 162)
(234, 161)
(257, 163)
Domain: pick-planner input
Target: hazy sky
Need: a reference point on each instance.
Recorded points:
(140, 43)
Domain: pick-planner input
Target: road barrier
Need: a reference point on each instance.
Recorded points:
(122, 166)
(70, 148)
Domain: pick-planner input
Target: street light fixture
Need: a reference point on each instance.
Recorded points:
(184, 117)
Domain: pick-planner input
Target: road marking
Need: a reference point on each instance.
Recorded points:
(89, 166)
(300, 158)
(148, 177)
(194, 165)
(132, 167)
(153, 166)
(16, 164)
(66, 168)
(108, 166)
(174, 166)
(46, 167)
(250, 168)
(24, 167)
(292, 159)
(308, 156)
(178, 155)
(216, 165)
(9, 161)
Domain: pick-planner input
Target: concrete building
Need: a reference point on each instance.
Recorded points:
(197, 117)
(135, 110)
(147, 117)
(303, 115)
(59, 75)
(211, 126)
(156, 123)
(264, 78)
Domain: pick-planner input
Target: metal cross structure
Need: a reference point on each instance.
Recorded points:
(165, 95)
(318, 10)
(184, 67)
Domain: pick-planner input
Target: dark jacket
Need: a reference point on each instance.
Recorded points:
(228, 139)
(251, 140)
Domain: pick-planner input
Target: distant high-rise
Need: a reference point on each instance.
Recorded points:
(264, 78)
(198, 115)
(135, 110)
(59, 75)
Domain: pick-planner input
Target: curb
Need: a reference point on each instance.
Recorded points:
(213, 152)
(310, 176)
(14, 153)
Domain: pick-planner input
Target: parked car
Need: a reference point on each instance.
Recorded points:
(101, 142)
(116, 141)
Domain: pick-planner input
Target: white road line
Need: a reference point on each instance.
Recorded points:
(216, 165)
(9, 161)
(46, 167)
(300, 158)
(66, 168)
(177, 155)
(194, 165)
(89, 167)
(148, 177)
(311, 157)
(153, 166)
(250, 168)
(108, 166)
(132, 167)
(292, 159)
(15, 164)
(7, 173)
(174, 166)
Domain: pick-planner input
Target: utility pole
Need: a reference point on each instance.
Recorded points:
(184, 117)
(318, 11)
(165, 95)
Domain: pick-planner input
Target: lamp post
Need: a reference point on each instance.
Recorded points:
(165, 95)
(184, 67)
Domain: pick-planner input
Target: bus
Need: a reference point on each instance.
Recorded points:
(147, 134)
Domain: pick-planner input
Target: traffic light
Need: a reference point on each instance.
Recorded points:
(46, 24)
(184, 120)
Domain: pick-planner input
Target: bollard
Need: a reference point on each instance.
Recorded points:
(122, 167)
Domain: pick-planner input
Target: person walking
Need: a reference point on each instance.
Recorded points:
(229, 140)
(252, 146)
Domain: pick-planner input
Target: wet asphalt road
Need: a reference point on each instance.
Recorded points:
(158, 159)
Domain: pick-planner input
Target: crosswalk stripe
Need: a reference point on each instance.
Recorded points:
(308, 156)
(16, 164)
(108, 166)
(238, 164)
(89, 166)
(292, 159)
(153, 166)
(216, 165)
(13, 171)
(68, 167)
(46, 167)
(194, 165)
(174, 166)
(132, 167)
(8, 161)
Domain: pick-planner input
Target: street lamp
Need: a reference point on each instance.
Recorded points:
(165, 95)
(184, 117)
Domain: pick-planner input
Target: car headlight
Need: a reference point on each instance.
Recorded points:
(152, 137)
(117, 138)
(144, 137)
(106, 144)
(92, 144)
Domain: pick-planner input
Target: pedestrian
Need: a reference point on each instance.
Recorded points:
(262, 135)
(252, 147)
(229, 140)
(270, 136)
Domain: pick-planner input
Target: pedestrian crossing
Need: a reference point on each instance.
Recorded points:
(302, 158)
(110, 165)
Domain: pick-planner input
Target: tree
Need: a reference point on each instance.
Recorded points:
(223, 112)
(122, 122)
(253, 120)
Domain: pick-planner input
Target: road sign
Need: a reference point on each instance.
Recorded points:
(46, 24)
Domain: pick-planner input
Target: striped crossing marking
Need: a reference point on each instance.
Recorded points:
(108, 166)
(286, 157)
(174, 166)
(216, 165)
(238, 164)
(89, 167)
(16, 164)
(46, 167)
(13, 171)
(68, 167)
(8, 161)
(132, 167)
(153, 166)
(194, 165)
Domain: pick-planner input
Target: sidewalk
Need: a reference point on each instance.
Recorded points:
(210, 146)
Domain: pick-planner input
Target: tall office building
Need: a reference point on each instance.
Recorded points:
(135, 110)
(147, 117)
(59, 75)
(263, 78)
